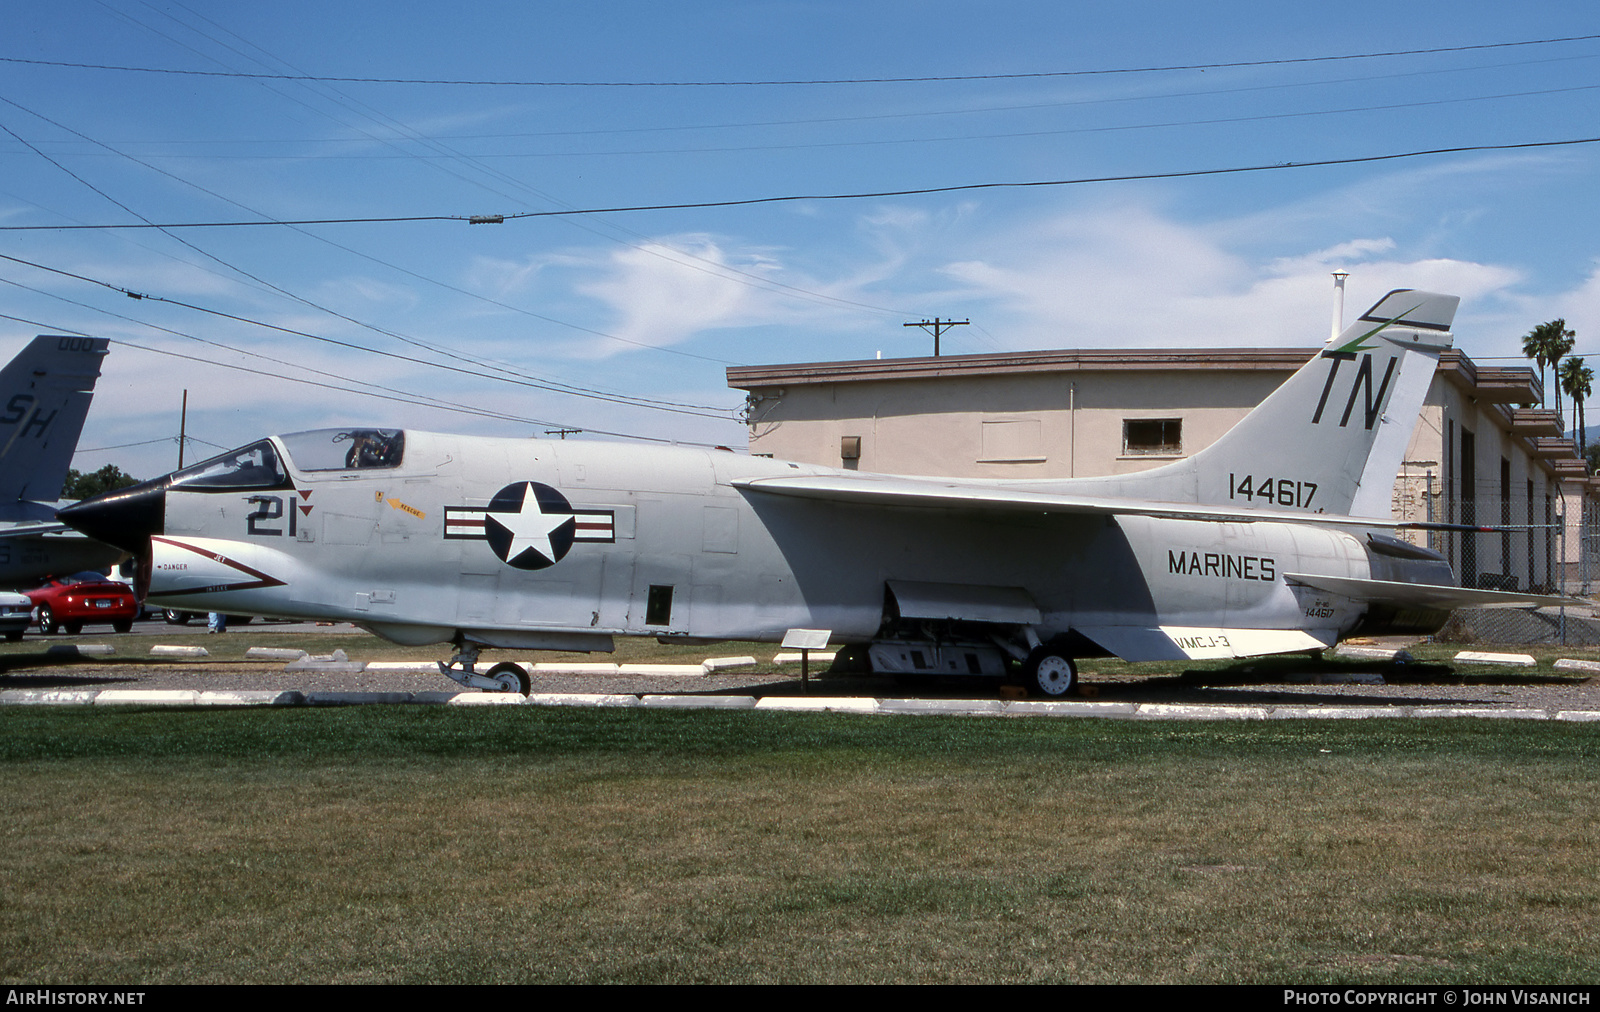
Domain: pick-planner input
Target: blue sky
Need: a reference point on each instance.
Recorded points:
(636, 315)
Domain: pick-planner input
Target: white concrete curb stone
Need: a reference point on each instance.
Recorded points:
(700, 702)
(711, 664)
(833, 704)
(582, 699)
(1586, 667)
(168, 650)
(1478, 657)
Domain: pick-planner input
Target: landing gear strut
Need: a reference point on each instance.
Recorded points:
(503, 677)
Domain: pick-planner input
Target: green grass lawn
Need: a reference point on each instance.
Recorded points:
(418, 844)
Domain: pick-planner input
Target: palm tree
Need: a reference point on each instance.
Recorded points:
(1561, 341)
(1547, 343)
(1577, 380)
(1533, 344)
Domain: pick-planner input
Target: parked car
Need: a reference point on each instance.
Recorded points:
(16, 614)
(70, 601)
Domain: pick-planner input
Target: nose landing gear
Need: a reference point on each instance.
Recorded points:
(503, 677)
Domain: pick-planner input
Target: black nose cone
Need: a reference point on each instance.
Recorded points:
(125, 518)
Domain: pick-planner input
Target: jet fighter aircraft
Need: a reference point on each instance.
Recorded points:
(45, 392)
(1245, 548)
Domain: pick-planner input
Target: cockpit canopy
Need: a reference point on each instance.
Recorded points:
(258, 465)
(345, 449)
(252, 467)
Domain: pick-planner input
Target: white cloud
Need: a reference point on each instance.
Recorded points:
(657, 297)
(1128, 276)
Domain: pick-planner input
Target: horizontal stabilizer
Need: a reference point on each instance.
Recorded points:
(1428, 595)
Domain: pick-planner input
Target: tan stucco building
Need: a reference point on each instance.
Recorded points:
(1478, 455)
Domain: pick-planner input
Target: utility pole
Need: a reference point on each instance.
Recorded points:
(563, 433)
(183, 423)
(939, 326)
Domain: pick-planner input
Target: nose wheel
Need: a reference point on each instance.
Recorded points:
(510, 677)
(1049, 672)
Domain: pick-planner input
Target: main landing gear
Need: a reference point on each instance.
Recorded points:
(1049, 671)
(503, 677)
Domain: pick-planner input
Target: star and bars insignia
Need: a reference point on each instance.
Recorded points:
(530, 525)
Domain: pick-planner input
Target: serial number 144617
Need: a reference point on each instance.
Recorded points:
(1278, 491)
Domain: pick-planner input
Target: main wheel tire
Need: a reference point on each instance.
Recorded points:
(175, 617)
(511, 676)
(72, 628)
(125, 625)
(1050, 672)
(47, 620)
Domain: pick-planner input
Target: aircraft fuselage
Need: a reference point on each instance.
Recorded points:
(536, 543)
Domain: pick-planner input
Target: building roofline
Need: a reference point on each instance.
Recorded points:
(1010, 363)
(1499, 387)
(1514, 380)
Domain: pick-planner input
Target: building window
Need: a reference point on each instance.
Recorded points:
(1152, 436)
(1012, 441)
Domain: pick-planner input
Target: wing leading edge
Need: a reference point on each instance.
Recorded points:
(891, 490)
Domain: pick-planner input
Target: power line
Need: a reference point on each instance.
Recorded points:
(965, 110)
(458, 409)
(342, 382)
(267, 284)
(1237, 64)
(865, 195)
(623, 399)
(887, 141)
(722, 270)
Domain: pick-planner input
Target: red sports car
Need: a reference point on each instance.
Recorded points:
(68, 602)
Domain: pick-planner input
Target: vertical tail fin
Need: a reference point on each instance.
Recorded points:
(44, 398)
(1342, 423)
(1332, 437)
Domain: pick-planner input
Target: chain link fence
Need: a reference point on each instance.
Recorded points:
(1545, 544)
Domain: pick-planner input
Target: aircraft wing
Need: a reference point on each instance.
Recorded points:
(28, 529)
(892, 490)
(1427, 595)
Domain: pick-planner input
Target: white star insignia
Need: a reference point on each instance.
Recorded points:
(530, 527)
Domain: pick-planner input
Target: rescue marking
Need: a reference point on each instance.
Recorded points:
(397, 504)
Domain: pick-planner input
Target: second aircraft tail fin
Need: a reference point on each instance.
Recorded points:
(44, 399)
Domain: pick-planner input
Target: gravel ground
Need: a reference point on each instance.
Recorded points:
(1413, 685)
(1401, 688)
